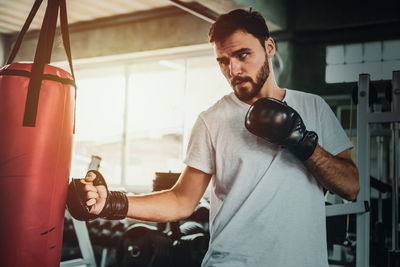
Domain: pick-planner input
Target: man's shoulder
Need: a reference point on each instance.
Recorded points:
(304, 99)
(305, 95)
(222, 103)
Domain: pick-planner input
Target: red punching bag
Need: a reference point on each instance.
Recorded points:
(36, 134)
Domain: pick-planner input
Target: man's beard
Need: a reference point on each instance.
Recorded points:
(255, 87)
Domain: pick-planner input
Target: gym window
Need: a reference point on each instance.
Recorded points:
(345, 62)
(138, 116)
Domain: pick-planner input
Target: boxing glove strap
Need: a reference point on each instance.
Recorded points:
(305, 148)
(116, 206)
(76, 202)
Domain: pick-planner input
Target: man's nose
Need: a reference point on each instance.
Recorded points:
(235, 68)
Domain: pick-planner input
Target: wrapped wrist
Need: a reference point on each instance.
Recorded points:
(116, 206)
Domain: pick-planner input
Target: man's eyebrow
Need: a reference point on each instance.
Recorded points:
(240, 51)
(235, 53)
(220, 59)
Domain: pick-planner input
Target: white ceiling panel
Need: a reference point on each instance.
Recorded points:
(13, 13)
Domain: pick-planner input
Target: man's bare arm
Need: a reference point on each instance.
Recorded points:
(337, 173)
(174, 204)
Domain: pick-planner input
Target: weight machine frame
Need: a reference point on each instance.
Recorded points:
(364, 118)
(82, 235)
(361, 207)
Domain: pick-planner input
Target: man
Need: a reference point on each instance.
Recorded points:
(267, 202)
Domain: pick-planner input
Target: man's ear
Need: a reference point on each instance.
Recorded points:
(270, 47)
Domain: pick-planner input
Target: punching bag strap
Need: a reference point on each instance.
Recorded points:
(43, 52)
(21, 34)
(67, 47)
(65, 34)
(42, 57)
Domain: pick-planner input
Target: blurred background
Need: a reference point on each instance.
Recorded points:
(145, 70)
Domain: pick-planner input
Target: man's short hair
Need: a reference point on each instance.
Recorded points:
(239, 19)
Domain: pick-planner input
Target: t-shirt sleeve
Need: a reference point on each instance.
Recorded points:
(332, 137)
(200, 151)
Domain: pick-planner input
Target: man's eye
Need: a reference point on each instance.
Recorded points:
(242, 56)
(223, 62)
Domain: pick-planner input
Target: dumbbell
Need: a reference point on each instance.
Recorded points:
(69, 236)
(105, 224)
(190, 250)
(191, 245)
(104, 233)
(99, 224)
(120, 226)
(117, 230)
(192, 227)
(144, 245)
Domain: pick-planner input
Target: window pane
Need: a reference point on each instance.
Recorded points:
(148, 155)
(100, 105)
(335, 54)
(372, 51)
(353, 53)
(99, 122)
(391, 49)
(351, 72)
(155, 120)
(110, 165)
(334, 73)
(379, 59)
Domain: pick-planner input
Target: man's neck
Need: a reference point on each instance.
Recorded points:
(270, 89)
(274, 92)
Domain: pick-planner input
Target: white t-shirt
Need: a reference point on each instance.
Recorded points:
(266, 207)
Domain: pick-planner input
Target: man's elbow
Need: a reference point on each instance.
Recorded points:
(355, 188)
(187, 211)
(182, 213)
(183, 208)
(352, 196)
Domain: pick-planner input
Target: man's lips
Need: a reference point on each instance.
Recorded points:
(240, 81)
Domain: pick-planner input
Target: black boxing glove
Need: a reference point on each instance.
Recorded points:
(115, 207)
(280, 124)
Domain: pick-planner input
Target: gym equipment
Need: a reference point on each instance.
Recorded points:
(82, 234)
(378, 235)
(336, 230)
(69, 233)
(191, 227)
(377, 112)
(364, 118)
(190, 250)
(37, 124)
(105, 233)
(201, 213)
(144, 245)
(167, 244)
(120, 226)
(164, 180)
(147, 245)
(372, 98)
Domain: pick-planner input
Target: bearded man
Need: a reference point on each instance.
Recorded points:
(268, 151)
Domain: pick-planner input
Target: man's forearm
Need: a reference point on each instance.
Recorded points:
(161, 206)
(336, 174)
(173, 204)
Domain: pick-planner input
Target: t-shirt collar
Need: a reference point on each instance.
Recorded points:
(243, 104)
